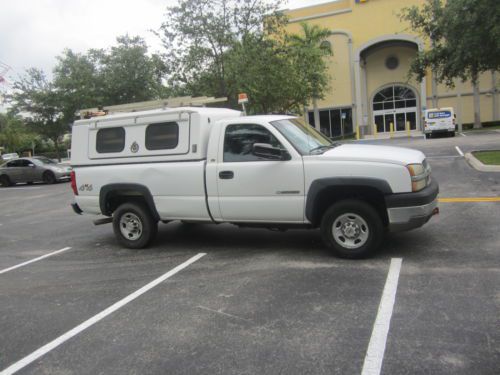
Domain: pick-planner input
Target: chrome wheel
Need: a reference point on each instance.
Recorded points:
(130, 226)
(350, 231)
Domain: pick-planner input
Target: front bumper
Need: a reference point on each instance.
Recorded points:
(412, 210)
(439, 131)
(62, 176)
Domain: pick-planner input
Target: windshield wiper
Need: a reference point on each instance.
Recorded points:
(321, 149)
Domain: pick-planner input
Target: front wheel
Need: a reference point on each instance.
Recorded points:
(352, 229)
(134, 226)
(49, 178)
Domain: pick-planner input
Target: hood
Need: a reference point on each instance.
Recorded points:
(375, 153)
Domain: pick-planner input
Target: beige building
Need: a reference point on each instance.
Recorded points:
(369, 84)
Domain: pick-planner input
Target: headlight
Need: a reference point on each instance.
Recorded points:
(420, 175)
(58, 170)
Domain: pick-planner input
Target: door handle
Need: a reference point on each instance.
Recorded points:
(226, 175)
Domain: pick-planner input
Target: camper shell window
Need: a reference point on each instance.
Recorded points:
(162, 136)
(110, 140)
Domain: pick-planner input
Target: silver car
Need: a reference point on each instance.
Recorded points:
(31, 170)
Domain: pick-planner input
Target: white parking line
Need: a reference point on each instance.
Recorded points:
(33, 260)
(20, 188)
(96, 318)
(443, 157)
(376, 348)
(459, 151)
(462, 134)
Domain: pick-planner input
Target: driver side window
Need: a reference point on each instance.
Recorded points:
(239, 140)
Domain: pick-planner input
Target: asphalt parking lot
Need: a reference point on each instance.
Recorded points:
(253, 301)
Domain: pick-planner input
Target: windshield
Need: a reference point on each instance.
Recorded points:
(302, 136)
(45, 160)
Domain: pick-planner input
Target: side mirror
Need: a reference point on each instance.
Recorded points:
(267, 151)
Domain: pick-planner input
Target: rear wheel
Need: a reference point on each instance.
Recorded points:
(134, 226)
(352, 229)
(5, 181)
(49, 178)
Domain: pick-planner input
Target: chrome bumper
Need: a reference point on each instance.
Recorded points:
(406, 218)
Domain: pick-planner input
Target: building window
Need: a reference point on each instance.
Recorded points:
(162, 136)
(334, 122)
(110, 140)
(394, 97)
(392, 62)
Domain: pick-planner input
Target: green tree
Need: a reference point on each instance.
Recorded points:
(77, 78)
(128, 74)
(197, 34)
(465, 41)
(309, 50)
(263, 69)
(40, 103)
(14, 136)
(123, 74)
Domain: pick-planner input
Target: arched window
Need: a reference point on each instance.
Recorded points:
(394, 97)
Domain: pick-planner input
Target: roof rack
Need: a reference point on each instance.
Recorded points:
(181, 101)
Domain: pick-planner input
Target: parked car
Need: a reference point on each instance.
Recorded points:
(6, 157)
(31, 170)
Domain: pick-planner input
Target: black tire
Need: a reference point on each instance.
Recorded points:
(452, 134)
(5, 181)
(134, 225)
(49, 178)
(359, 229)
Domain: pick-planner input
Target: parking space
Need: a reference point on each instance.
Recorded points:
(258, 302)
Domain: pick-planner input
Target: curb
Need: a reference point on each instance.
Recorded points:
(476, 164)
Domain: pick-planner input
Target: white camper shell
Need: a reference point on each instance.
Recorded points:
(140, 136)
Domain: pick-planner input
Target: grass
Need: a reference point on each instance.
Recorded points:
(484, 128)
(488, 157)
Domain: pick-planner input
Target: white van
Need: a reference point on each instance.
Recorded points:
(439, 120)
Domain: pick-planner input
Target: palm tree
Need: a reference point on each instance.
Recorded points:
(310, 48)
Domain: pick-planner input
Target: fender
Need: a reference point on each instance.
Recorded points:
(319, 185)
(127, 189)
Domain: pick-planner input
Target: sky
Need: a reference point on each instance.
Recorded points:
(34, 32)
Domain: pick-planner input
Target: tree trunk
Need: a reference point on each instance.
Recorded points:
(316, 114)
(477, 110)
(58, 152)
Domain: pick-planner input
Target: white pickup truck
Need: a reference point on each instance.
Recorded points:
(214, 165)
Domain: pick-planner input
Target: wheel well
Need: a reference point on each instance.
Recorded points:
(111, 199)
(333, 194)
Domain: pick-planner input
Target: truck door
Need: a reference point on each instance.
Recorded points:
(256, 189)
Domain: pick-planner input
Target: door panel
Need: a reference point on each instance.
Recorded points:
(254, 189)
(411, 117)
(389, 118)
(261, 191)
(379, 122)
(400, 122)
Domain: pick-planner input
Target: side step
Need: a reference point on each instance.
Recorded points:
(104, 220)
